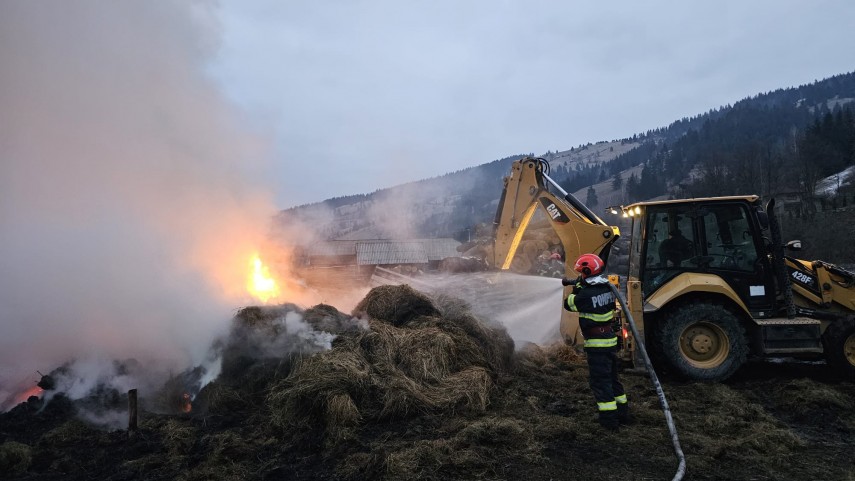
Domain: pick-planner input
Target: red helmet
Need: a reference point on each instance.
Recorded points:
(589, 265)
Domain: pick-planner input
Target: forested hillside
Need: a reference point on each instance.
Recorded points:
(776, 143)
(781, 141)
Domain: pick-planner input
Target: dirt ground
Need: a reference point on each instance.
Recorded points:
(530, 416)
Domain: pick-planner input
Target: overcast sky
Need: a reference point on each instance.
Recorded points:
(361, 95)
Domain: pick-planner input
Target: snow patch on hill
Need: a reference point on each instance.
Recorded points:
(590, 153)
(832, 184)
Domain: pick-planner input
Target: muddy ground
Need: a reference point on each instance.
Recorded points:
(530, 416)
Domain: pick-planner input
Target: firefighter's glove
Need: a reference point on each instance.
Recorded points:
(568, 282)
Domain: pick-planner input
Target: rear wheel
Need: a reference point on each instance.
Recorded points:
(702, 341)
(839, 345)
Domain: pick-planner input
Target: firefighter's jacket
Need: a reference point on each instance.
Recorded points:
(594, 301)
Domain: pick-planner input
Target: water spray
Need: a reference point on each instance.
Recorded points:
(560, 287)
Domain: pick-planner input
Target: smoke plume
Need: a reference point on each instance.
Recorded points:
(130, 198)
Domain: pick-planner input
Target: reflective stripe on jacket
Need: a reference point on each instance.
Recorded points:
(594, 301)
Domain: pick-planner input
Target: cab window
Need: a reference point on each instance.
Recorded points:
(729, 243)
(671, 246)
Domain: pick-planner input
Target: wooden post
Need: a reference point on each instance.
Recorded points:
(132, 410)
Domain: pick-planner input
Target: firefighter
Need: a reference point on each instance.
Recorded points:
(594, 301)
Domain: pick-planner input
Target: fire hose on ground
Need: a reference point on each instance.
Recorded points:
(681, 469)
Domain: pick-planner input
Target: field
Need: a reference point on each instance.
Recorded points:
(418, 387)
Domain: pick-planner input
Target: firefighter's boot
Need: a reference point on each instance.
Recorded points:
(623, 415)
(609, 421)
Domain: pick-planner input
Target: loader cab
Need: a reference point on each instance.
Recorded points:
(723, 236)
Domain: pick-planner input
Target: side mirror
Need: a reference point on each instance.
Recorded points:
(794, 245)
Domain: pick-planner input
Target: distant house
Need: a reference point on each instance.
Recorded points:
(796, 204)
(359, 258)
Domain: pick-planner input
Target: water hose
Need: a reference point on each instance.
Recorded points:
(681, 469)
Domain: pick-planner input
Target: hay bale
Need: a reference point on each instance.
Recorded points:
(414, 358)
(387, 372)
(303, 396)
(396, 305)
(429, 353)
(219, 398)
(492, 339)
(262, 340)
(252, 332)
(458, 350)
(342, 411)
(15, 458)
(467, 390)
(261, 318)
(327, 318)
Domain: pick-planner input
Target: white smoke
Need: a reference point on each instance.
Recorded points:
(295, 325)
(130, 192)
(104, 380)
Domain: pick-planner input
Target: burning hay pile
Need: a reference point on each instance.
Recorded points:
(417, 356)
(262, 346)
(410, 386)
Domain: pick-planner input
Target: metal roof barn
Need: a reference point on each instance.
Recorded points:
(391, 252)
(332, 248)
(439, 249)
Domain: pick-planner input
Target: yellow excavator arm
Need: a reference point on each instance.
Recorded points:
(579, 230)
(529, 186)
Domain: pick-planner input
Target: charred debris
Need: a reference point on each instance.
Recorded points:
(412, 386)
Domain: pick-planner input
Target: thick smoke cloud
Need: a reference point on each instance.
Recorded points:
(129, 193)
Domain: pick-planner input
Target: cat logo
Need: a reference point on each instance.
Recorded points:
(555, 212)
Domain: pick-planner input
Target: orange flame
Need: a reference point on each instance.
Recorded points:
(260, 284)
(24, 396)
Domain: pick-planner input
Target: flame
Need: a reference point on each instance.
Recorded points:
(24, 396)
(260, 284)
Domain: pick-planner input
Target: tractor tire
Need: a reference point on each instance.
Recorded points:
(839, 345)
(702, 341)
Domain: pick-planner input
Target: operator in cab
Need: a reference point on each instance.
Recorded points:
(675, 249)
(594, 301)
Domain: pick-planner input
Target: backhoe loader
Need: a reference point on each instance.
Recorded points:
(709, 283)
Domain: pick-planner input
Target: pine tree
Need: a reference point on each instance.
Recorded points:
(591, 199)
(617, 181)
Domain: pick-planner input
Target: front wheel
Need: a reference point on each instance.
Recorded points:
(702, 341)
(839, 345)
